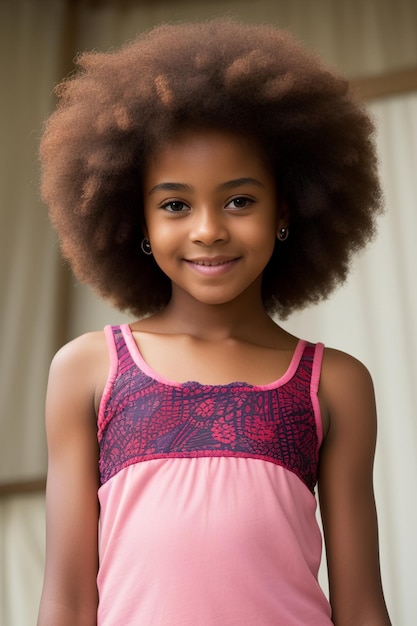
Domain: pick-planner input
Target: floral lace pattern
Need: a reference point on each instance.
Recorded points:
(146, 419)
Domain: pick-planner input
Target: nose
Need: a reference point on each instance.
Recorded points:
(208, 226)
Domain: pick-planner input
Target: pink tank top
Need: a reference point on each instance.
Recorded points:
(207, 497)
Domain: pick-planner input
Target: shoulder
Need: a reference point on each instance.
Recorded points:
(346, 392)
(81, 366)
(342, 369)
(88, 345)
(81, 355)
(341, 373)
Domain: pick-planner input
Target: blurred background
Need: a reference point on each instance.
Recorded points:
(373, 317)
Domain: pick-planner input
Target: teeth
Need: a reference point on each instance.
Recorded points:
(209, 264)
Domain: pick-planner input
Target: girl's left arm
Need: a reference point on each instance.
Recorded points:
(346, 493)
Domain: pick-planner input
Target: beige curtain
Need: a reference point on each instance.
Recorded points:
(371, 317)
(30, 269)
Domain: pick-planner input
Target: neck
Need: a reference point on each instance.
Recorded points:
(243, 317)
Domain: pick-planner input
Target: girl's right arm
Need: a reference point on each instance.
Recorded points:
(77, 375)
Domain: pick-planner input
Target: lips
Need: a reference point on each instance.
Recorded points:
(211, 262)
(214, 266)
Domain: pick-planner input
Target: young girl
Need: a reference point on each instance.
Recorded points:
(205, 177)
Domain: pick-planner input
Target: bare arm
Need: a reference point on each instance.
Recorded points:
(347, 496)
(69, 594)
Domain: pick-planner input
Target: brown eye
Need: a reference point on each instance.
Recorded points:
(240, 202)
(174, 206)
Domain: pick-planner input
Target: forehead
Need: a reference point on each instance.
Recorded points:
(217, 149)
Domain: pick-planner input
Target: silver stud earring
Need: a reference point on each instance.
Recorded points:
(283, 234)
(146, 246)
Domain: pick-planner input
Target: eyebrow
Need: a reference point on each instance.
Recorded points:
(238, 182)
(170, 187)
(230, 184)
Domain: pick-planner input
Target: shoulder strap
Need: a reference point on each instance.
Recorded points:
(124, 356)
(116, 346)
(314, 388)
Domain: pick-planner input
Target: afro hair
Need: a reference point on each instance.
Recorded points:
(220, 74)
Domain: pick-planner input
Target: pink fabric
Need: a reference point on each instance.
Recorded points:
(209, 542)
(201, 537)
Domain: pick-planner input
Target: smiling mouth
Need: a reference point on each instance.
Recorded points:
(212, 262)
(212, 267)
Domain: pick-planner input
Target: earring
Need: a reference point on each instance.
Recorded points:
(283, 234)
(146, 246)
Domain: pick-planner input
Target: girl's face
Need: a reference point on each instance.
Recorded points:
(211, 214)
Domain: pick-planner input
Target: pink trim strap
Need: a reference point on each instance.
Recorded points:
(314, 388)
(111, 377)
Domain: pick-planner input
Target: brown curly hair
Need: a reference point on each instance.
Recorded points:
(218, 74)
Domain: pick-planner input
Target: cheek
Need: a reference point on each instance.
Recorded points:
(264, 231)
(156, 229)
(165, 240)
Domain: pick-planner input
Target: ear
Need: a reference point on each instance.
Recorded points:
(283, 216)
